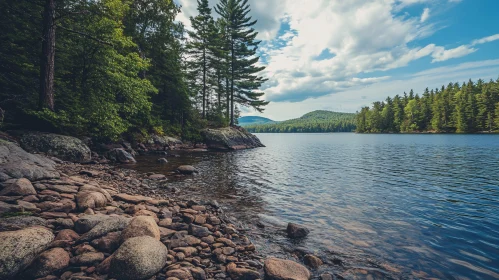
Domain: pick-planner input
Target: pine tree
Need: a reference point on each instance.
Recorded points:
(243, 78)
(199, 50)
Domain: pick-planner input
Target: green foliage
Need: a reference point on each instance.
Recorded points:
(316, 121)
(462, 109)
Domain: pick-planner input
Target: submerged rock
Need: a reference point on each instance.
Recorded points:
(186, 169)
(60, 146)
(120, 155)
(312, 261)
(279, 269)
(230, 138)
(17, 163)
(138, 258)
(297, 231)
(19, 248)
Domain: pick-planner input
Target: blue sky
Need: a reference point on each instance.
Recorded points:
(342, 55)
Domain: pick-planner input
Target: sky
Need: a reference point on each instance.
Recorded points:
(342, 55)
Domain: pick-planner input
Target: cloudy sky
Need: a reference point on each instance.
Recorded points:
(341, 55)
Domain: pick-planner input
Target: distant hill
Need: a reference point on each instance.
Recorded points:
(316, 121)
(252, 120)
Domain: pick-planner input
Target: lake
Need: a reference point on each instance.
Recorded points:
(378, 206)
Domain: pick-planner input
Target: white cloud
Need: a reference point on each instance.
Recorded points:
(425, 15)
(486, 40)
(441, 54)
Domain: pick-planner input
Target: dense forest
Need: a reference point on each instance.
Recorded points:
(467, 108)
(109, 68)
(316, 121)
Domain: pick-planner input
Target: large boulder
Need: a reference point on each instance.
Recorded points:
(17, 163)
(230, 138)
(18, 187)
(21, 222)
(112, 224)
(60, 146)
(87, 222)
(141, 226)
(297, 231)
(46, 263)
(279, 269)
(19, 248)
(138, 258)
(120, 155)
(90, 200)
(161, 143)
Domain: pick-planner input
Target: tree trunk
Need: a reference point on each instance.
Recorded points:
(204, 83)
(48, 56)
(232, 86)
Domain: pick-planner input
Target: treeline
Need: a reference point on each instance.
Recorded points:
(313, 122)
(111, 67)
(467, 108)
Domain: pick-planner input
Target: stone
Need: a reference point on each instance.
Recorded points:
(198, 273)
(84, 248)
(108, 243)
(230, 138)
(164, 232)
(53, 215)
(120, 155)
(63, 205)
(198, 231)
(186, 169)
(243, 273)
(312, 261)
(64, 147)
(63, 188)
(162, 161)
(141, 226)
(89, 258)
(297, 231)
(91, 200)
(27, 206)
(279, 269)
(63, 223)
(19, 248)
(103, 267)
(135, 199)
(92, 188)
(138, 258)
(67, 234)
(90, 173)
(87, 222)
(179, 274)
(157, 177)
(326, 276)
(17, 163)
(46, 263)
(21, 222)
(118, 223)
(18, 187)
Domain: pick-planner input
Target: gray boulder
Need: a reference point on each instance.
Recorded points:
(87, 222)
(18, 187)
(279, 269)
(297, 231)
(109, 225)
(64, 147)
(120, 155)
(138, 258)
(21, 222)
(186, 169)
(17, 163)
(19, 248)
(230, 138)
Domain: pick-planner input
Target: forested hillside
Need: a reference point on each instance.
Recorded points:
(251, 120)
(316, 121)
(467, 108)
(110, 68)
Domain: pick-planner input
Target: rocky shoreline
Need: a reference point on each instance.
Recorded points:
(69, 220)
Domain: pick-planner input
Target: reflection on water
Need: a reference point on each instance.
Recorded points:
(378, 206)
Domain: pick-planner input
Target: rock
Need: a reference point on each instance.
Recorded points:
(297, 231)
(86, 259)
(141, 226)
(164, 232)
(230, 138)
(312, 261)
(27, 206)
(120, 155)
(19, 248)
(63, 189)
(138, 258)
(9, 208)
(326, 276)
(87, 222)
(160, 143)
(179, 274)
(84, 248)
(17, 163)
(67, 234)
(242, 273)
(131, 198)
(92, 188)
(53, 215)
(21, 222)
(90, 173)
(157, 177)
(18, 187)
(186, 169)
(109, 225)
(64, 147)
(103, 267)
(63, 205)
(90, 200)
(198, 231)
(198, 273)
(279, 269)
(163, 161)
(47, 263)
(63, 223)
(108, 243)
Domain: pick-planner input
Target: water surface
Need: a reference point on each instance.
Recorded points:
(378, 206)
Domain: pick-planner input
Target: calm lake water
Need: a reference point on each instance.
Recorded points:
(378, 206)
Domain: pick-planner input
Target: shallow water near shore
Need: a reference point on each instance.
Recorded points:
(378, 206)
